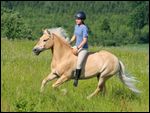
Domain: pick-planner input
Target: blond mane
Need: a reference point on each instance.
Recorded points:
(61, 33)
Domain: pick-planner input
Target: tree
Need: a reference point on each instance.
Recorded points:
(144, 38)
(105, 25)
(139, 16)
(111, 22)
(13, 26)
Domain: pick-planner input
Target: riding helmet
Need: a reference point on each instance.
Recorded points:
(80, 15)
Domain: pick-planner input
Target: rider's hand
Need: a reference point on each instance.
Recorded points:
(75, 51)
(70, 42)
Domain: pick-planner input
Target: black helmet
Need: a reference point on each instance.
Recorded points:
(80, 15)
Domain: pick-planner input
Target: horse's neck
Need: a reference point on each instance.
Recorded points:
(60, 49)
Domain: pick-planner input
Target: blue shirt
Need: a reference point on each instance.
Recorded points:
(81, 31)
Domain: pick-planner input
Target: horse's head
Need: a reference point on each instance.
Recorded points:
(45, 42)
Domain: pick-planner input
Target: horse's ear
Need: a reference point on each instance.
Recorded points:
(48, 31)
(44, 31)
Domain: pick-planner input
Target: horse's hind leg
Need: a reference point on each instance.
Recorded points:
(100, 87)
(101, 84)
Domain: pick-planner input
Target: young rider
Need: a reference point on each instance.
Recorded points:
(81, 46)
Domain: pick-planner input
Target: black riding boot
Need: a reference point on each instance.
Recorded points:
(77, 75)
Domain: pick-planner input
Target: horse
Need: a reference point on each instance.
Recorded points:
(101, 64)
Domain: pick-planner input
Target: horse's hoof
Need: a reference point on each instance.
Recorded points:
(64, 91)
(41, 90)
(88, 97)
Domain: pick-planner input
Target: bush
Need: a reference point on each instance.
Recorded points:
(13, 26)
(124, 35)
(105, 25)
(144, 34)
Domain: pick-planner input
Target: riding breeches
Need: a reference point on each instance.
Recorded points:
(82, 53)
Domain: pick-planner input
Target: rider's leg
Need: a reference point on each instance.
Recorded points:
(81, 56)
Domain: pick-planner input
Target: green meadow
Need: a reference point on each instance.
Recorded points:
(22, 73)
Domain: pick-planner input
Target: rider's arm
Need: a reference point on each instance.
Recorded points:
(82, 43)
(73, 38)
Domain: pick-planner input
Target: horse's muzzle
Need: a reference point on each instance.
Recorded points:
(36, 51)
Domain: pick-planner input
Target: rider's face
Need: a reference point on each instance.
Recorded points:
(78, 21)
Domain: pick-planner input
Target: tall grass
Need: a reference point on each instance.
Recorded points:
(22, 73)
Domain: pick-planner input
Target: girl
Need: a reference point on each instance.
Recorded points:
(81, 45)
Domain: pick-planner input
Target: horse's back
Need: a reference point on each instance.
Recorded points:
(101, 53)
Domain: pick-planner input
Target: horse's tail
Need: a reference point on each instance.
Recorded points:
(128, 81)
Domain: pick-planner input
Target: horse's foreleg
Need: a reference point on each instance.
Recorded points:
(51, 76)
(60, 81)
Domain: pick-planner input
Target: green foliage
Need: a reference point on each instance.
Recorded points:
(138, 17)
(123, 36)
(105, 25)
(13, 26)
(24, 104)
(112, 23)
(144, 34)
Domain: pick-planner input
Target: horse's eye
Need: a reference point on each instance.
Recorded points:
(45, 40)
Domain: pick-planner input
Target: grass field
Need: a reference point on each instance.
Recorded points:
(22, 73)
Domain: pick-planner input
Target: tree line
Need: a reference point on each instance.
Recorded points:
(111, 23)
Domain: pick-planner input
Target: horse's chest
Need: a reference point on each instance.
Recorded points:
(62, 67)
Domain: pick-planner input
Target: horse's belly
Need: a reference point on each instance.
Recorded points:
(91, 69)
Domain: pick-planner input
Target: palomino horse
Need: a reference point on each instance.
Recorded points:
(100, 64)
